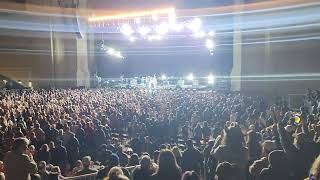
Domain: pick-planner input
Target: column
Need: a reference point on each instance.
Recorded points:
(83, 74)
(237, 52)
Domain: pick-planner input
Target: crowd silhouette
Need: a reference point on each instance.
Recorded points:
(120, 134)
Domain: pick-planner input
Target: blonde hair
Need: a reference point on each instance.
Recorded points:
(116, 173)
(315, 168)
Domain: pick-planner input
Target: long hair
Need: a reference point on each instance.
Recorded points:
(115, 173)
(233, 138)
(315, 168)
(176, 151)
(253, 145)
(167, 164)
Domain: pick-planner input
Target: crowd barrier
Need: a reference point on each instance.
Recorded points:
(91, 176)
(82, 177)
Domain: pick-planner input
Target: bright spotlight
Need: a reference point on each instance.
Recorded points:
(199, 34)
(209, 44)
(126, 30)
(118, 54)
(211, 79)
(190, 77)
(144, 30)
(154, 17)
(163, 28)
(154, 37)
(138, 20)
(132, 39)
(163, 77)
(211, 33)
(176, 27)
(172, 18)
(195, 25)
(111, 51)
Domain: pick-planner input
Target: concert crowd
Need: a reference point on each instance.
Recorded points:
(137, 134)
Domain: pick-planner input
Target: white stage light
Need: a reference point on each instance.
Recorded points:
(199, 34)
(126, 30)
(154, 37)
(150, 38)
(144, 30)
(209, 44)
(190, 77)
(138, 20)
(111, 51)
(163, 77)
(163, 28)
(132, 39)
(211, 33)
(195, 25)
(172, 18)
(118, 54)
(176, 27)
(211, 79)
(154, 17)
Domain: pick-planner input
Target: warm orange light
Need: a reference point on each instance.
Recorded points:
(132, 14)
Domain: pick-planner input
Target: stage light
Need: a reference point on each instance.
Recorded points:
(209, 44)
(190, 77)
(154, 37)
(126, 30)
(150, 38)
(163, 28)
(154, 17)
(118, 54)
(176, 27)
(138, 20)
(132, 39)
(144, 30)
(172, 18)
(199, 34)
(163, 77)
(195, 25)
(211, 33)
(211, 79)
(111, 51)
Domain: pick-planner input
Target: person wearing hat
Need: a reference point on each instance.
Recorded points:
(86, 161)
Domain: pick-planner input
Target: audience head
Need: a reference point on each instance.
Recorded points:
(86, 161)
(113, 160)
(42, 166)
(134, 160)
(228, 171)
(190, 175)
(79, 164)
(267, 147)
(167, 163)
(233, 137)
(189, 143)
(278, 159)
(145, 162)
(20, 145)
(116, 173)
